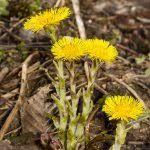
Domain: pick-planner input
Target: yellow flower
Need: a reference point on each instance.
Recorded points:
(123, 108)
(101, 50)
(68, 49)
(46, 19)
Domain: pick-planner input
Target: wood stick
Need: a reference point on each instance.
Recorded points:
(3, 73)
(11, 29)
(21, 99)
(127, 49)
(80, 24)
(11, 94)
(12, 34)
(57, 3)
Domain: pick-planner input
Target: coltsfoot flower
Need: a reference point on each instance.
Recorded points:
(123, 108)
(47, 18)
(68, 49)
(101, 50)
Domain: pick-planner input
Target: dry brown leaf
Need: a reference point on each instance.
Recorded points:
(3, 73)
(33, 112)
(6, 145)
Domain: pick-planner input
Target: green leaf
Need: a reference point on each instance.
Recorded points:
(147, 72)
(3, 5)
(55, 119)
(69, 108)
(58, 103)
(1, 54)
(140, 60)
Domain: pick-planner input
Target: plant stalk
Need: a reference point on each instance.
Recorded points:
(120, 136)
(91, 73)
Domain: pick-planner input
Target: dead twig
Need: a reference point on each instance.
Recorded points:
(20, 100)
(12, 34)
(34, 67)
(12, 84)
(13, 131)
(123, 59)
(127, 49)
(141, 76)
(139, 83)
(47, 74)
(59, 3)
(100, 89)
(14, 71)
(3, 73)
(80, 24)
(11, 29)
(17, 70)
(11, 94)
(132, 91)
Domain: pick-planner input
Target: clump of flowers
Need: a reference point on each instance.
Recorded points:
(47, 18)
(69, 50)
(71, 124)
(123, 109)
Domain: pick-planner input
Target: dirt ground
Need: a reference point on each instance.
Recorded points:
(125, 23)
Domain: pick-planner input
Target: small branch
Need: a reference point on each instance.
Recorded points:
(13, 72)
(3, 73)
(20, 100)
(11, 29)
(141, 76)
(123, 59)
(80, 24)
(11, 94)
(34, 67)
(13, 131)
(47, 74)
(100, 89)
(12, 34)
(59, 3)
(127, 49)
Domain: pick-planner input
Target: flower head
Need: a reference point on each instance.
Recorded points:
(47, 18)
(68, 49)
(101, 50)
(123, 108)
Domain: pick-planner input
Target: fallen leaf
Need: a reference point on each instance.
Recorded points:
(33, 112)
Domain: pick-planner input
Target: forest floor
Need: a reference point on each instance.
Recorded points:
(125, 22)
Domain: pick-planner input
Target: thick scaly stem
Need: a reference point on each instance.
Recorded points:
(87, 94)
(74, 98)
(74, 117)
(91, 76)
(120, 136)
(51, 31)
(60, 85)
(61, 92)
(61, 103)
